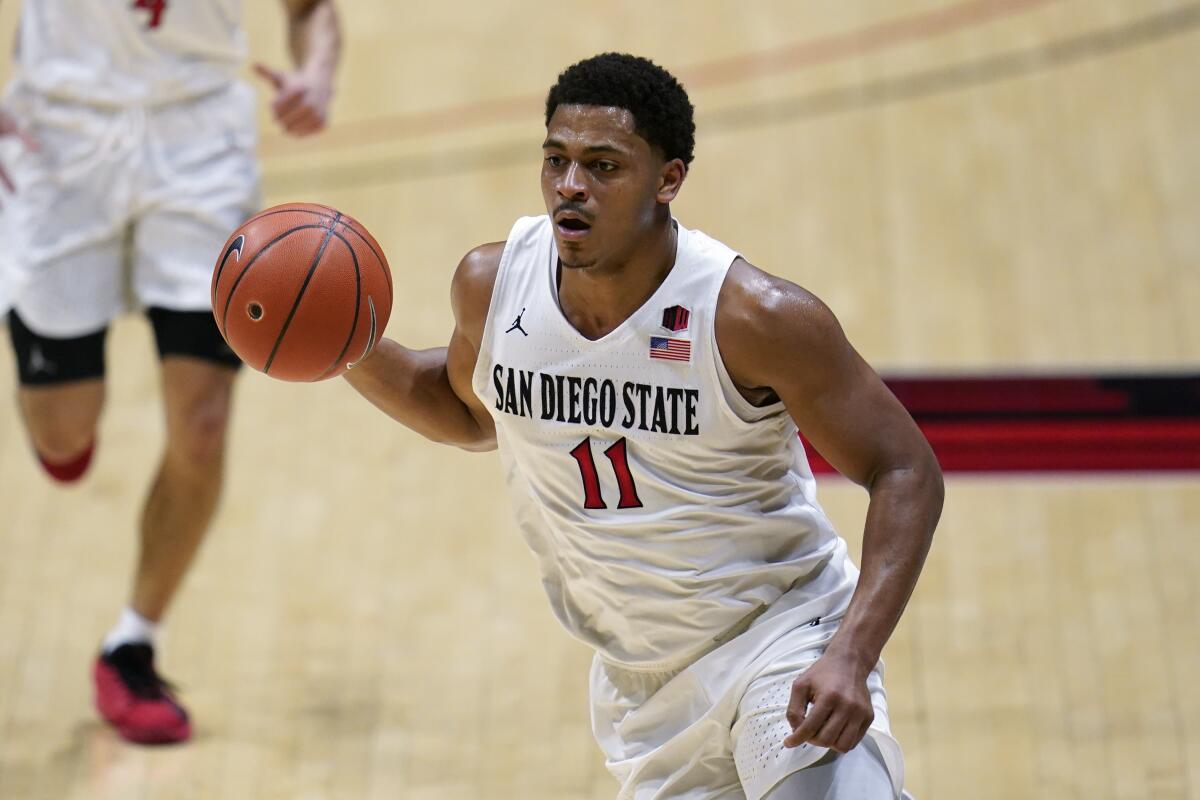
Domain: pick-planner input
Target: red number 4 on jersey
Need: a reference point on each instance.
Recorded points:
(156, 9)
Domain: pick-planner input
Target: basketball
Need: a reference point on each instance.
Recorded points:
(301, 292)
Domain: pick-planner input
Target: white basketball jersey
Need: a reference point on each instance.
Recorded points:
(122, 53)
(666, 512)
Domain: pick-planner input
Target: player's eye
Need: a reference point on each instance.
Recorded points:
(606, 166)
(555, 161)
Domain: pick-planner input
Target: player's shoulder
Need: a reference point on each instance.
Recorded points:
(761, 316)
(480, 265)
(473, 283)
(753, 301)
(475, 279)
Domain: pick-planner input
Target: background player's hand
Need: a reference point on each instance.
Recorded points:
(830, 705)
(10, 127)
(301, 103)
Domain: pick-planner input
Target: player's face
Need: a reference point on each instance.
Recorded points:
(602, 183)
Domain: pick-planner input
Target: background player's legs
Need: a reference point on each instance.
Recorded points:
(130, 694)
(61, 395)
(58, 329)
(61, 420)
(201, 183)
(858, 775)
(184, 493)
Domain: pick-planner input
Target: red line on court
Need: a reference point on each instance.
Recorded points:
(799, 55)
(1078, 423)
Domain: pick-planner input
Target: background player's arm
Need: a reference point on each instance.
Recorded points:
(302, 97)
(779, 340)
(430, 390)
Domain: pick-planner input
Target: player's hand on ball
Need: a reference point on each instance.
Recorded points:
(301, 103)
(830, 705)
(9, 126)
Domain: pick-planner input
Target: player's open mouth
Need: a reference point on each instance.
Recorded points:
(571, 227)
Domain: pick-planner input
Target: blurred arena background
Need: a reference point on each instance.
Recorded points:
(974, 187)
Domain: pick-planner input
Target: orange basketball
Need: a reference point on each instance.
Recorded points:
(301, 292)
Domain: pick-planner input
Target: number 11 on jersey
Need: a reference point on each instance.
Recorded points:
(616, 453)
(156, 9)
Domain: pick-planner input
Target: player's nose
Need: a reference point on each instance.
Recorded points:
(571, 184)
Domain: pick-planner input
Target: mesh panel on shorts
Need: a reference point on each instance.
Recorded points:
(763, 726)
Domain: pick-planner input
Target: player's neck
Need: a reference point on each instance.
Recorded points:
(596, 300)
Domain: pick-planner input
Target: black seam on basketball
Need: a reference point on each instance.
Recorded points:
(300, 295)
(250, 263)
(357, 307)
(335, 216)
(387, 276)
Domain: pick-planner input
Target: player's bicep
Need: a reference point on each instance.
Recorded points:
(776, 335)
(846, 411)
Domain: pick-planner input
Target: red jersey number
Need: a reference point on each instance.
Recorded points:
(616, 454)
(156, 8)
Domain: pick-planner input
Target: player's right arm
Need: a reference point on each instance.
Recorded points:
(430, 390)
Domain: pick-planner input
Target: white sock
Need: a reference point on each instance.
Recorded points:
(131, 627)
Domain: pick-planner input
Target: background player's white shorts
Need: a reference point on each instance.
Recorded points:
(715, 729)
(120, 202)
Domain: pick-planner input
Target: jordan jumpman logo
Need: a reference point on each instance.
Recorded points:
(516, 326)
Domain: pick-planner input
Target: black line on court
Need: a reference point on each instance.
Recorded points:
(813, 105)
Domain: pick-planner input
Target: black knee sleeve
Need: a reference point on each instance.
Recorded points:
(44, 361)
(190, 333)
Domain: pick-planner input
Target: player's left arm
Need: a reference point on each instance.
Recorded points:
(303, 95)
(777, 339)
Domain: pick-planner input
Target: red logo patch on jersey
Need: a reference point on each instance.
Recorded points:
(675, 318)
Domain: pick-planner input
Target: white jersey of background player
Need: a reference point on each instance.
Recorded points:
(129, 156)
(129, 53)
(644, 385)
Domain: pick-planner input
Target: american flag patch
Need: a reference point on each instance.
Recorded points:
(670, 349)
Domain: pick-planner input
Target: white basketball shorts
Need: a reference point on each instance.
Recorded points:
(122, 206)
(715, 729)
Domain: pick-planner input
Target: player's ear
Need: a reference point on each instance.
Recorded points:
(670, 179)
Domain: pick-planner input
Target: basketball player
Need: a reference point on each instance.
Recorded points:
(131, 143)
(644, 384)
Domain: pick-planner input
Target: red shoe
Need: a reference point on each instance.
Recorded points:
(132, 697)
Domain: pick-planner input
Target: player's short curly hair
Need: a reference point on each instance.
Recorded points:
(662, 113)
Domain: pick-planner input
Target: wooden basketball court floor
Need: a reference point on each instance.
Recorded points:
(972, 185)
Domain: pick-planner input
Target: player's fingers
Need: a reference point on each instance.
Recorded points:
(851, 736)
(271, 76)
(801, 696)
(287, 102)
(297, 114)
(814, 719)
(308, 129)
(831, 731)
(304, 118)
